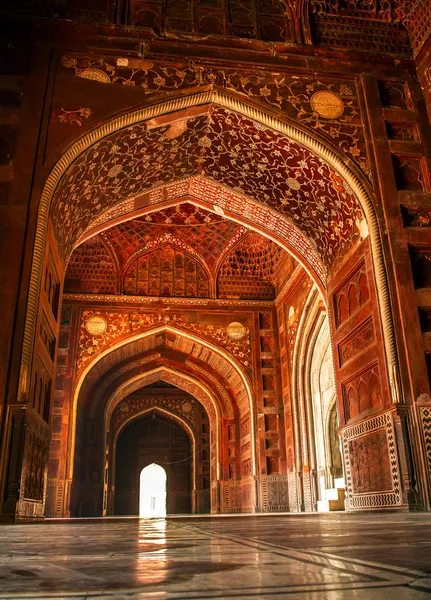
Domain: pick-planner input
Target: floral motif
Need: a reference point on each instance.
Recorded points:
(122, 324)
(74, 116)
(252, 160)
(281, 90)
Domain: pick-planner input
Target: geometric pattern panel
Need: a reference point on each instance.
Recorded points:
(91, 270)
(207, 239)
(425, 412)
(166, 272)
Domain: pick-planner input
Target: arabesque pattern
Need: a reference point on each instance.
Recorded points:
(122, 324)
(226, 147)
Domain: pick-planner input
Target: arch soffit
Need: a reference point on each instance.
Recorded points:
(238, 370)
(237, 207)
(264, 118)
(162, 410)
(177, 378)
(308, 331)
(102, 377)
(223, 144)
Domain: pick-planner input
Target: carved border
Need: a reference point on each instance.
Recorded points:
(378, 499)
(266, 481)
(108, 299)
(262, 117)
(425, 413)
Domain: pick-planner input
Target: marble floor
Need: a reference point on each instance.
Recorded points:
(319, 556)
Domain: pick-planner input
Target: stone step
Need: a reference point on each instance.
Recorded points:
(334, 500)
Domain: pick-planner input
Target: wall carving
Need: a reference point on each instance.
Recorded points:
(362, 393)
(369, 463)
(133, 405)
(353, 294)
(36, 455)
(122, 324)
(382, 424)
(133, 300)
(73, 117)
(47, 336)
(361, 339)
(238, 495)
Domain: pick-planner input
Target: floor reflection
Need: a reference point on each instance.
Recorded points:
(315, 557)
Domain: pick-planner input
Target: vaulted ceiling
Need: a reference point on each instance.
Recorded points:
(223, 147)
(183, 251)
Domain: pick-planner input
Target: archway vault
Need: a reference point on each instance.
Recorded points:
(180, 380)
(170, 414)
(237, 375)
(348, 181)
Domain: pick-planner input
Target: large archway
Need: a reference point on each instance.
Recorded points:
(288, 131)
(205, 137)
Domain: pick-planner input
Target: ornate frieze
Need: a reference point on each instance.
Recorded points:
(327, 106)
(121, 324)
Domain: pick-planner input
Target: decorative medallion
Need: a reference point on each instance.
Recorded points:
(96, 325)
(187, 407)
(236, 331)
(124, 406)
(94, 75)
(327, 104)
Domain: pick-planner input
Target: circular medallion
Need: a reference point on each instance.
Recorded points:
(96, 325)
(327, 104)
(124, 406)
(236, 331)
(94, 75)
(187, 407)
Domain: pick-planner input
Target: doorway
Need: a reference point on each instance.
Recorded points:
(150, 442)
(152, 492)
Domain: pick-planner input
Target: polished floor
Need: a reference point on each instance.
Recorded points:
(330, 556)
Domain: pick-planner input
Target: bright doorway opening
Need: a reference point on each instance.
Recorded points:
(152, 492)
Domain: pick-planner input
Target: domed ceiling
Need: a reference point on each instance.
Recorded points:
(182, 251)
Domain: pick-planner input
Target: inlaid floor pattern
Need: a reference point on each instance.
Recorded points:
(331, 557)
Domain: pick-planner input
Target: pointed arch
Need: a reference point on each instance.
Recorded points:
(164, 373)
(244, 380)
(265, 118)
